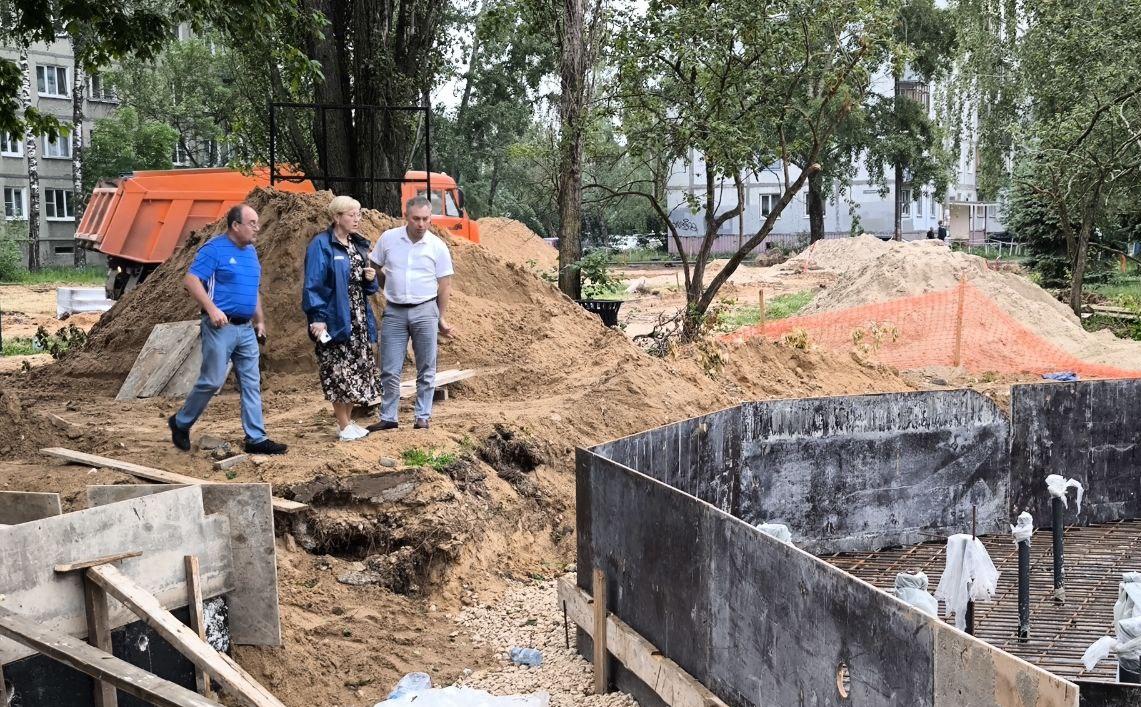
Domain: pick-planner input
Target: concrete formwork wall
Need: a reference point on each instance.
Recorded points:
(764, 623)
(1089, 431)
(844, 473)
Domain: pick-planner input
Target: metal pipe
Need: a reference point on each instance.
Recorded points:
(1023, 591)
(1059, 530)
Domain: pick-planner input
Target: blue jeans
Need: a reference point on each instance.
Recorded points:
(422, 324)
(235, 342)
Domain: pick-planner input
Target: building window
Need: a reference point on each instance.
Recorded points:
(57, 205)
(11, 145)
(52, 81)
(15, 203)
(768, 203)
(100, 89)
(905, 203)
(57, 149)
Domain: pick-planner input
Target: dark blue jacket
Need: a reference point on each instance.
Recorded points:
(325, 294)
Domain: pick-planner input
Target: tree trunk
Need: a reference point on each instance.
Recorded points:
(815, 207)
(494, 185)
(461, 112)
(572, 114)
(78, 91)
(31, 147)
(333, 128)
(898, 235)
(1079, 266)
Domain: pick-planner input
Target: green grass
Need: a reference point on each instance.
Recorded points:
(18, 347)
(60, 275)
(992, 254)
(617, 291)
(1122, 291)
(779, 307)
(427, 458)
(639, 255)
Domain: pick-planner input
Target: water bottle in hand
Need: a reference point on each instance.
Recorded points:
(526, 656)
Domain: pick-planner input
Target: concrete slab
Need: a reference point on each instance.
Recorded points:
(165, 528)
(22, 506)
(970, 672)
(253, 602)
(162, 356)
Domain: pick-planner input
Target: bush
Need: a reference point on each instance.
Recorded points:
(11, 256)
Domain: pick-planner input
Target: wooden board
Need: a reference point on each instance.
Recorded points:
(105, 560)
(180, 636)
(23, 506)
(194, 599)
(99, 636)
(98, 664)
(146, 472)
(676, 687)
(166, 349)
(165, 527)
(443, 379)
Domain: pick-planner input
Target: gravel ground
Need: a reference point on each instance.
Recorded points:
(528, 616)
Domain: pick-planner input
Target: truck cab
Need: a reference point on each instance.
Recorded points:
(448, 212)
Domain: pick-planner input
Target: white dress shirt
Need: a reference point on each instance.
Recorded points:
(411, 270)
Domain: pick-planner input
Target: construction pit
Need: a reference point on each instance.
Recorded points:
(387, 563)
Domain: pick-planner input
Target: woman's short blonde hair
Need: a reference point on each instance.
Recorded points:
(341, 204)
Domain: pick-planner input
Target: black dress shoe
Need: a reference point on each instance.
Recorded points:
(179, 436)
(383, 425)
(266, 446)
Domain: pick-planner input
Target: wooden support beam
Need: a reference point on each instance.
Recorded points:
(146, 472)
(105, 560)
(676, 687)
(99, 636)
(194, 603)
(100, 665)
(601, 671)
(180, 636)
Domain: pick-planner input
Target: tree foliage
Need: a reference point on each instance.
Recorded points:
(124, 142)
(748, 85)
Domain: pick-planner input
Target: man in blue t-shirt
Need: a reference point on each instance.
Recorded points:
(224, 280)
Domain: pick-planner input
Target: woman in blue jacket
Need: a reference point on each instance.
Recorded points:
(338, 281)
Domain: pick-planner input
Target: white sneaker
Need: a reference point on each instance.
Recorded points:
(351, 431)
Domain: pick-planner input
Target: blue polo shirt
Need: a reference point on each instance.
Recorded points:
(231, 275)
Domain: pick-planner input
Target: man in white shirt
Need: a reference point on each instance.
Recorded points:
(416, 271)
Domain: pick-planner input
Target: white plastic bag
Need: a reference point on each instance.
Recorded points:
(969, 575)
(1025, 528)
(912, 588)
(1058, 485)
(777, 530)
(411, 692)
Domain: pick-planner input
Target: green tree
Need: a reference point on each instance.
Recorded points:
(123, 142)
(727, 81)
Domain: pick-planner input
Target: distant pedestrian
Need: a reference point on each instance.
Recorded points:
(338, 282)
(417, 277)
(942, 232)
(224, 280)
(930, 233)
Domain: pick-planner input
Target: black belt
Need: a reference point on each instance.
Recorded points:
(236, 320)
(407, 305)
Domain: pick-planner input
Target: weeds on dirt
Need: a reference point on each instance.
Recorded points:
(427, 458)
(58, 344)
(869, 340)
(797, 339)
(779, 307)
(19, 346)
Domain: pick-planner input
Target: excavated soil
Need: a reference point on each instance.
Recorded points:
(870, 271)
(388, 547)
(515, 243)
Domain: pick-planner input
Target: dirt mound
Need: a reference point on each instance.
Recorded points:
(23, 432)
(516, 243)
(887, 271)
(838, 255)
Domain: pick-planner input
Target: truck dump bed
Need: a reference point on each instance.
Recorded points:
(149, 214)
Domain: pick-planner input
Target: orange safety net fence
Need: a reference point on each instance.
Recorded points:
(960, 327)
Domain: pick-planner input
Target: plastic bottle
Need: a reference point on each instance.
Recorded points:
(526, 656)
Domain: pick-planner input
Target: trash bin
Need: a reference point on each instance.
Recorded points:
(604, 308)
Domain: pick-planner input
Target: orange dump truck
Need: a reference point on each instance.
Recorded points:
(144, 217)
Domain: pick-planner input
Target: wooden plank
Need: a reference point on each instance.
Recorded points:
(100, 665)
(194, 602)
(99, 636)
(105, 560)
(180, 636)
(676, 687)
(166, 348)
(443, 379)
(146, 472)
(601, 669)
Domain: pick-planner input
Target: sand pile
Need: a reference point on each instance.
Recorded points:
(838, 255)
(516, 243)
(890, 270)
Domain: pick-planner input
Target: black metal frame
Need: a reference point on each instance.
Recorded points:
(324, 108)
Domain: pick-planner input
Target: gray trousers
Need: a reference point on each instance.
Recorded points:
(422, 324)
